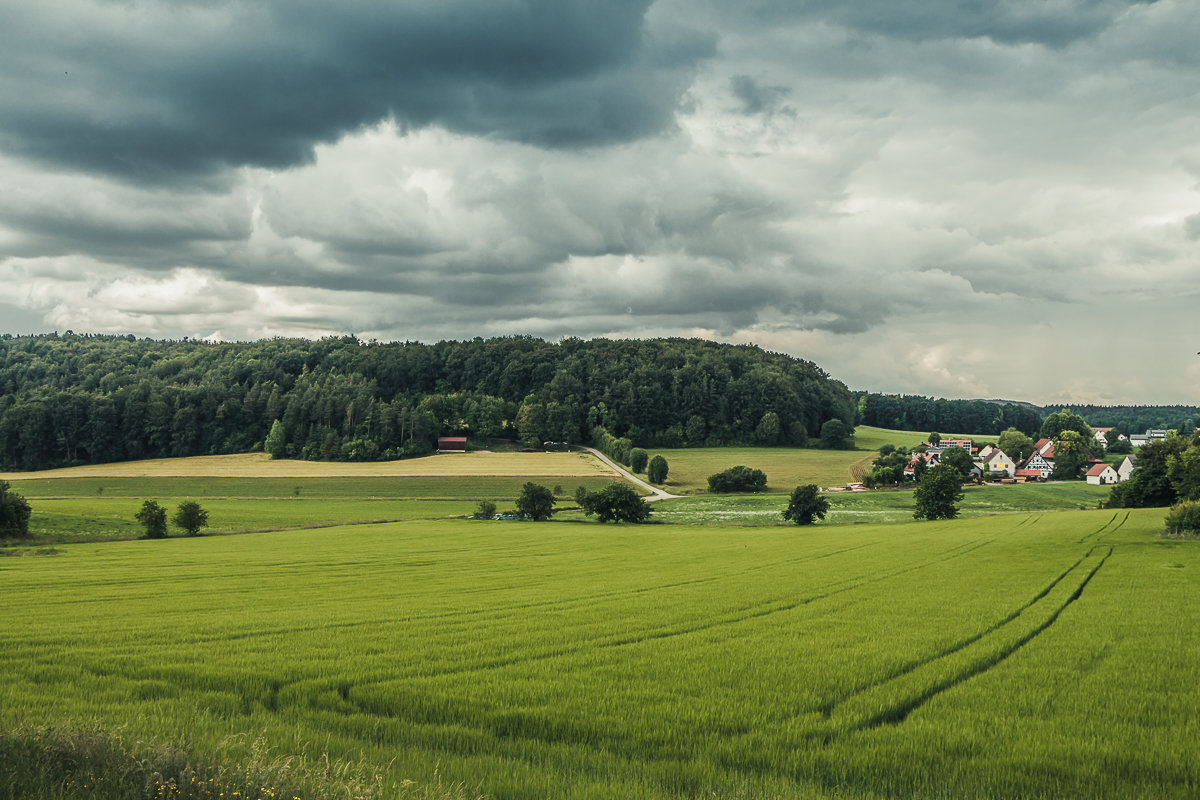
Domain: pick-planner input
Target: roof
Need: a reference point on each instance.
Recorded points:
(1101, 430)
(452, 438)
(1098, 470)
(1029, 473)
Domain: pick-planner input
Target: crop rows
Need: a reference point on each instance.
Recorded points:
(1023, 655)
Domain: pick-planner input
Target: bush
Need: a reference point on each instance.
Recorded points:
(637, 459)
(616, 503)
(486, 510)
(1184, 520)
(656, 470)
(14, 514)
(738, 479)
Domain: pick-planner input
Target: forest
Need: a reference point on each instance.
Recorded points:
(68, 399)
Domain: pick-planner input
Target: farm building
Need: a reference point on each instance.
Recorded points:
(997, 462)
(1102, 475)
(452, 444)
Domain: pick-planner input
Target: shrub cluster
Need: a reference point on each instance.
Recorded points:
(738, 479)
(1184, 520)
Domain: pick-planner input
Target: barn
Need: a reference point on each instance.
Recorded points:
(452, 444)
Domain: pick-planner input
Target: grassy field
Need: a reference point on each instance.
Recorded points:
(786, 467)
(260, 465)
(880, 505)
(1027, 655)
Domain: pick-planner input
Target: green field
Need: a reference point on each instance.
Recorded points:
(1038, 655)
(882, 505)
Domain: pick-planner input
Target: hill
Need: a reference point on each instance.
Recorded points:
(69, 400)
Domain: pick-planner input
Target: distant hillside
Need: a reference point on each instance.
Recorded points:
(69, 400)
(914, 412)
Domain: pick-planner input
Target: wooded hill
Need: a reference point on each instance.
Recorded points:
(71, 399)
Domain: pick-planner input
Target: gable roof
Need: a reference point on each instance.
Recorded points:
(1098, 470)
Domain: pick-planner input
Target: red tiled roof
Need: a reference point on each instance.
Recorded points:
(1029, 473)
(1097, 470)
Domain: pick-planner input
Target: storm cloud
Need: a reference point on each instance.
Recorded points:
(968, 199)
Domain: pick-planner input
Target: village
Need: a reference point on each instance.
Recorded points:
(992, 463)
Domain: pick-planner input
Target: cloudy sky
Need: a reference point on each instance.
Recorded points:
(955, 198)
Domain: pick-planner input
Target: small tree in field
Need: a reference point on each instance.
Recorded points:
(154, 519)
(14, 514)
(637, 459)
(656, 470)
(616, 503)
(536, 502)
(940, 488)
(806, 505)
(486, 510)
(191, 517)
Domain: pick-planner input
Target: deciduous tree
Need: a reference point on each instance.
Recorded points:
(938, 492)
(154, 519)
(656, 470)
(191, 517)
(536, 502)
(616, 502)
(806, 505)
(14, 514)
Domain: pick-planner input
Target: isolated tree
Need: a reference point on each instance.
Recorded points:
(191, 517)
(14, 514)
(637, 459)
(1015, 444)
(806, 505)
(738, 479)
(486, 510)
(960, 459)
(616, 502)
(836, 436)
(536, 502)
(656, 470)
(154, 519)
(937, 493)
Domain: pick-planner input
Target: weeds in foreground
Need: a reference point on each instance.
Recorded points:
(52, 763)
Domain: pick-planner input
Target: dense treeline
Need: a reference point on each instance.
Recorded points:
(916, 413)
(71, 399)
(1139, 419)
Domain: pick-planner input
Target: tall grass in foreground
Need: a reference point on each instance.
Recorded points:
(56, 763)
(1037, 655)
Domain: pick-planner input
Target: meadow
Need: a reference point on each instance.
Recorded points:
(1033, 655)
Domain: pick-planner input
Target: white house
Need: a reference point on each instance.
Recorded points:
(1102, 475)
(997, 461)
(1126, 467)
(1035, 467)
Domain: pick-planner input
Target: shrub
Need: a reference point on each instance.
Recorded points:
(14, 514)
(638, 459)
(738, 479)
(1184, 520)
(486, 510)
(656, 470)
(616, 503)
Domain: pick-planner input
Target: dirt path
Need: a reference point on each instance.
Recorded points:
(655, 492)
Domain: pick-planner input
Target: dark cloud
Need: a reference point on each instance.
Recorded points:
(1055, 23)
(152, 91)
(756, 97)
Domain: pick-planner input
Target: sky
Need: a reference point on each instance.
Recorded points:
(954, 198)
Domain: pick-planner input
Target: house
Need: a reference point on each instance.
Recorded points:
(1138, 439)
(1126, 467)
(1044, 448)
(997, 462)
(1102, 475)
(1037, 467)
(1101, 435)
(986, 451)
(452, 444)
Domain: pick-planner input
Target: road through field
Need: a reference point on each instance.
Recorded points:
(655, 492)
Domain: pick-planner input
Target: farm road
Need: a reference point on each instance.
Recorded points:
(655, 493)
